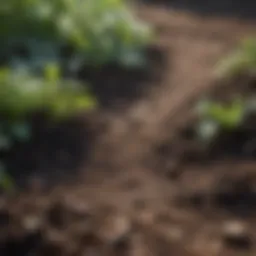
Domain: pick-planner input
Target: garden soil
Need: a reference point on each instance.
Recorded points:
(136, 194)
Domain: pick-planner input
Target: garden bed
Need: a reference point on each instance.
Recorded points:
(223, 168)
(65, 145)
(115, 204)
(105, 81)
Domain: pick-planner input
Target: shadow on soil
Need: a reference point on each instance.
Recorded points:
(238, 198)
(22, 247)
(231, 8)
(114, 85)
(54, 153)
(234, 195)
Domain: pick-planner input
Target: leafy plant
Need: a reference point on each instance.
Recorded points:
(215, 116)
(241, 60)
(101, 31)
(23, 94)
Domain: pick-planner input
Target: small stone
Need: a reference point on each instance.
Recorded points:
(146, 217)
(58, 242)
(55, 237)
(175, 233)
(32, 223)
(234, 228)
(77, 208)
(235, 235)
(115, 228)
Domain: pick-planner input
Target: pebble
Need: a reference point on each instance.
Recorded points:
(236, 235)
(175, 233)
(32, 223)
(78, 208)
(116, 227)
(146, 217)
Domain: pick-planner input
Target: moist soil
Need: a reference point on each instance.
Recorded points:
(58, 147)
(144, 185)
(231, 8)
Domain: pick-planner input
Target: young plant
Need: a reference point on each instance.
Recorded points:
(23, 94)
(100, 31)
(215, 117)
(240, 61)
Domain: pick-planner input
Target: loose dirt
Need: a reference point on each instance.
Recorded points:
(135, 195)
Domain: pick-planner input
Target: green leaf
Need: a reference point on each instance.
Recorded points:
(88, 102)
(52, 73)
(22, 94)
(234, 114)
(226, 116)
(4, 73)
(241, 60)
(6, 181)
(85, 24)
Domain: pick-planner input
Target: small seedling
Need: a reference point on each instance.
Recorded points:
(241, 60)
(215, 117)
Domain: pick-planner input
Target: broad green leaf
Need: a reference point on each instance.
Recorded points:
(52, 73)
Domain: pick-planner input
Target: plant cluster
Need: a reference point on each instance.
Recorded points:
(100, 31)
(23, 94)
(215, 117)
(33, 35)
(243, 59)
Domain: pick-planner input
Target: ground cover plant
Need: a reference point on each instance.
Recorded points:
(99, 32)
(221, 124)
(240, 60)
(229, 114)
(24, 95)
(44, 45)
(101, 42)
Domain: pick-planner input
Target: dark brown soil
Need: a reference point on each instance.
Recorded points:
(57, 151)
(119, 85)
(53, 151)
(231, 8)
(145, 188)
